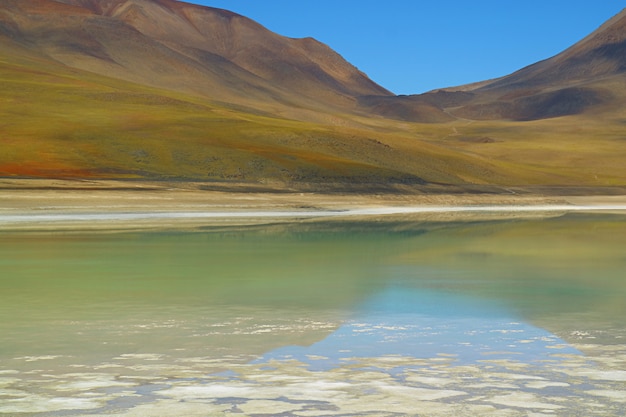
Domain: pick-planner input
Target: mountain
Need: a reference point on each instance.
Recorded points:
(580, 79)
(166, 90)
(163, 89)
(183, 47)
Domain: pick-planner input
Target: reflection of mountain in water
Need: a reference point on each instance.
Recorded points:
(427, 324)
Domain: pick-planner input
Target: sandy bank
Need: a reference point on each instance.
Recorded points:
(55, 204)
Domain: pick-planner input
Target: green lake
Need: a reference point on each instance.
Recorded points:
(484, 317)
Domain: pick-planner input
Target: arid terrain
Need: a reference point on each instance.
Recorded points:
(160, 90)
(42, 205)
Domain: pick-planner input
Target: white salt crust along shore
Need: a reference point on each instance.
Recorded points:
(433, 387)
(8, 219)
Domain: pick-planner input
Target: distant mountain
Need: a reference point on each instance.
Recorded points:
(184, 47)
(580, 79)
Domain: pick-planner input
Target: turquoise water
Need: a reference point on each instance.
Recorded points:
(502, 317)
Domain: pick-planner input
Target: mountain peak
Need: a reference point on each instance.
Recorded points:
(572, 82)
(612, 31)
(190, 48)
(113, 7)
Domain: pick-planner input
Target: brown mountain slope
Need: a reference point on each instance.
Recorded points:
(161, 89)
(166, 90)
(601, 54)
(578, 80)
(205, 51)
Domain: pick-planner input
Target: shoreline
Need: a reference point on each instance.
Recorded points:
(86, 205)
(378, 211)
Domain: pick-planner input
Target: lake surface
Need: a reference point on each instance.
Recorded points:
(521, 317)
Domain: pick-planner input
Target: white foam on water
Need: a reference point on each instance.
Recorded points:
(619, 396)
(12, 393)
(422, 394)
(209, 391)
(91, 384)
(268, 407)
(601, 375)
(523, 400)
(40, 403)
(5, 382)
(9, 372)
(546, 384)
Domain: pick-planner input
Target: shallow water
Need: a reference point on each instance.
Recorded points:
(503, 317)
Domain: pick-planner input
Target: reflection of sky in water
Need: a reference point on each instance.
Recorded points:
(428, 324)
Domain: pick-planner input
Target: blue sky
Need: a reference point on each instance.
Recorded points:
(412, 46)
